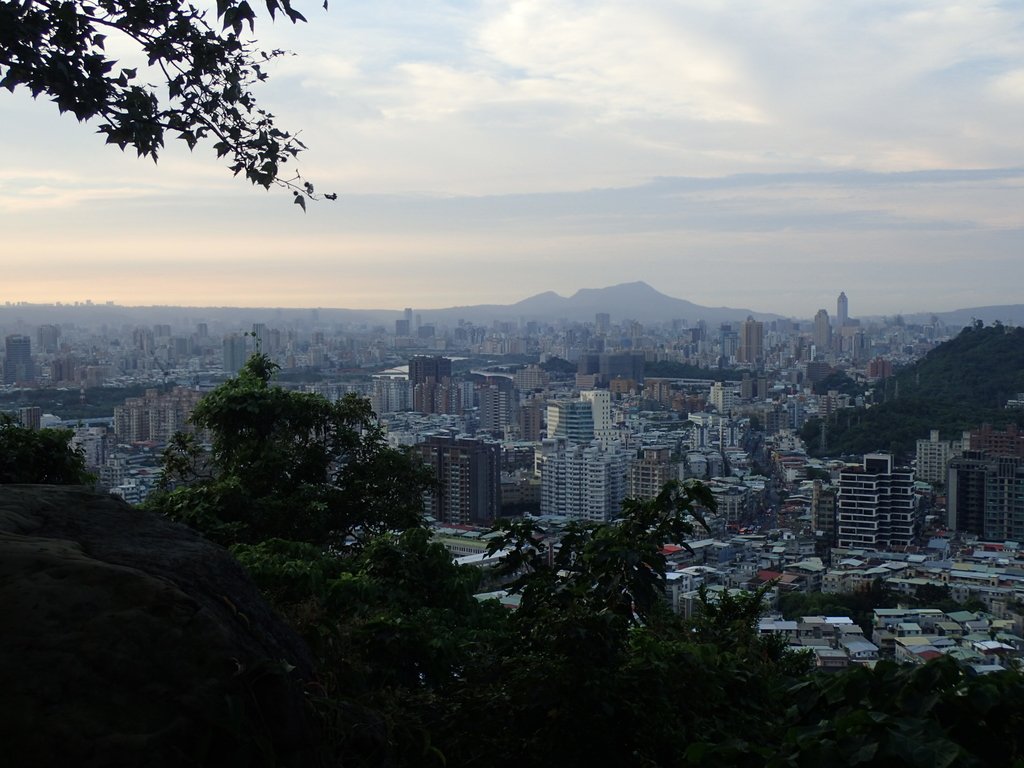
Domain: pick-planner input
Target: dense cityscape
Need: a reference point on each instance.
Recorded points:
(565, 420)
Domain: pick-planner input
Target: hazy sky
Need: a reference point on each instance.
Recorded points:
(750, 154)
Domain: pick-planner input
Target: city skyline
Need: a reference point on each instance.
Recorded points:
(761, 157)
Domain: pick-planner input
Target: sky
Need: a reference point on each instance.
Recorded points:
(764, 155)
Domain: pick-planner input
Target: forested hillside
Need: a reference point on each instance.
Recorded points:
(956, 386)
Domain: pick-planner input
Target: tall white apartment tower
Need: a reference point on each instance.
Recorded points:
(601, 407)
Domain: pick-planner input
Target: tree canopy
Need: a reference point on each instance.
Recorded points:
(206, 72)
(39, 456)
(288, 465)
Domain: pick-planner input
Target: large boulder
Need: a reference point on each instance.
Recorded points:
(129, 640)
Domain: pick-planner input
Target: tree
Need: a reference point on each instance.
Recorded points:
(57, 49)
(288, 465)
(39, 456)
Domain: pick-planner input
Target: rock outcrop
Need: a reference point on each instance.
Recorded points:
(129, 640)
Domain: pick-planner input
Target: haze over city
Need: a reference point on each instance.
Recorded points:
(762, 156)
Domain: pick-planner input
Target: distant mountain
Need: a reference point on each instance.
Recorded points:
(634, 301)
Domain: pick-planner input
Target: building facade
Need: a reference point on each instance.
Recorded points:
(877, 508)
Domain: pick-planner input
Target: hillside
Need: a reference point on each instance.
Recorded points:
(956, 386)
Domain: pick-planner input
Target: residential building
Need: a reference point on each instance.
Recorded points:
(468, 480)
(582, 481)
(155, 416)
(571, 419)
(877, 508)
(933, 455)
(649, 473)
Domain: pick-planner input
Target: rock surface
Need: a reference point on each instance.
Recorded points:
(126, 639)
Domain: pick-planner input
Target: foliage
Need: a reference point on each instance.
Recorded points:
(957, 386)
(667, 369)
(39, 456)
(616, 569)
(59, 49)
(859, 605)
(557, 365)
(840, 382)
(592, 669)
(929, 716)
(288, 465)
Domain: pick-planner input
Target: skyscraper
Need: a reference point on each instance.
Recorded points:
(842, 311)
(234, 352)
(822, 332)
(751, 349)
(18, 359)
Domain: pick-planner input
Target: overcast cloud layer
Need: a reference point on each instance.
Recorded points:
(748, 154)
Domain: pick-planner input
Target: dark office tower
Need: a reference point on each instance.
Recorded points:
(47, 337)
(235, 353)
(401, 327)
(18, 365)
(432, 390)
(468, 480)
(603, 321)
(965, 491)
(423, 367)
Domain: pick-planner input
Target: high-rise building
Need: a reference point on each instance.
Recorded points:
(933, 455)
(571, 419)
(610, 365)
(31, 417)
(823, 513)
(751, 349)
(390, 395)
(155, 416)
(47, 337)
(649, 473)
(985, 495)
(581, 481)
(467, 474)
(995, 442)
(423, 367)
(842, 311)
(18, 366)
(433, 390)
(531, 420)
(235, 353)
(877, 508)
(822, 332)
(601, 411)
(495, 408)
